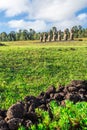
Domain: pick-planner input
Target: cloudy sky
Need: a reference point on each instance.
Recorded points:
(41, 15)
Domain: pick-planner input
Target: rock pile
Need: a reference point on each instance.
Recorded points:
(23, 113)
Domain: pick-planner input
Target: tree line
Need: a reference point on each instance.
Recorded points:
(20, 35)
(78, 31)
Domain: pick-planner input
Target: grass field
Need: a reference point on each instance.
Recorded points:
(37, 43)
(27, 68)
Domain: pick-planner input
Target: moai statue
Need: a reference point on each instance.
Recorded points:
(49, 37)
(41, 38)
(44, 37)
(59, 35)
(71, 35)
(54, 37)
(65, 36)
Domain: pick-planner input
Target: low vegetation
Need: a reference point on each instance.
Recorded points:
(50, 110)
(69, 117)
(27, 70)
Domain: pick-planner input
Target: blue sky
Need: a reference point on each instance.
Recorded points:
(41, 15)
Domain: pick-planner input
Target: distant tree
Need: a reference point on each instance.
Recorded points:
(3, 36)
(79, 27)
(85, 32)
(24, 35)
(31, 34)
(80, 31)
(75, 29)
(54, 29)
(36, 36)
(17, 36)
(12, 36)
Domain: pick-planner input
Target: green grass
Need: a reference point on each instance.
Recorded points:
(68, 117)
(36, 43)
(31, 68)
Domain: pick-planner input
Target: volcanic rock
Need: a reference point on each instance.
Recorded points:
(3, 125)
(14, 123)
(16, 111)
(51, 89)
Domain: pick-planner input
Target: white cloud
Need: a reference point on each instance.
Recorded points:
(82, 19)
(37, 25)
(60, 13)
(14, 7)
(55, 10)
(82, 16)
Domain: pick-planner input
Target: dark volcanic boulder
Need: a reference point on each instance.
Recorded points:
(73, 97)
(51, 89)
(29, 98)
(16, 111)
(77, 82)
(60, 89)
(82, 91)
(3, 125)
(72, 89)
(3, 113)
(14, 123)
(1, 118)
(59, 96)
(32, 107)
(28, 123)
(31, 116)
(43, 107)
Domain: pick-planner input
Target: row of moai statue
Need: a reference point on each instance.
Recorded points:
(58, 37)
